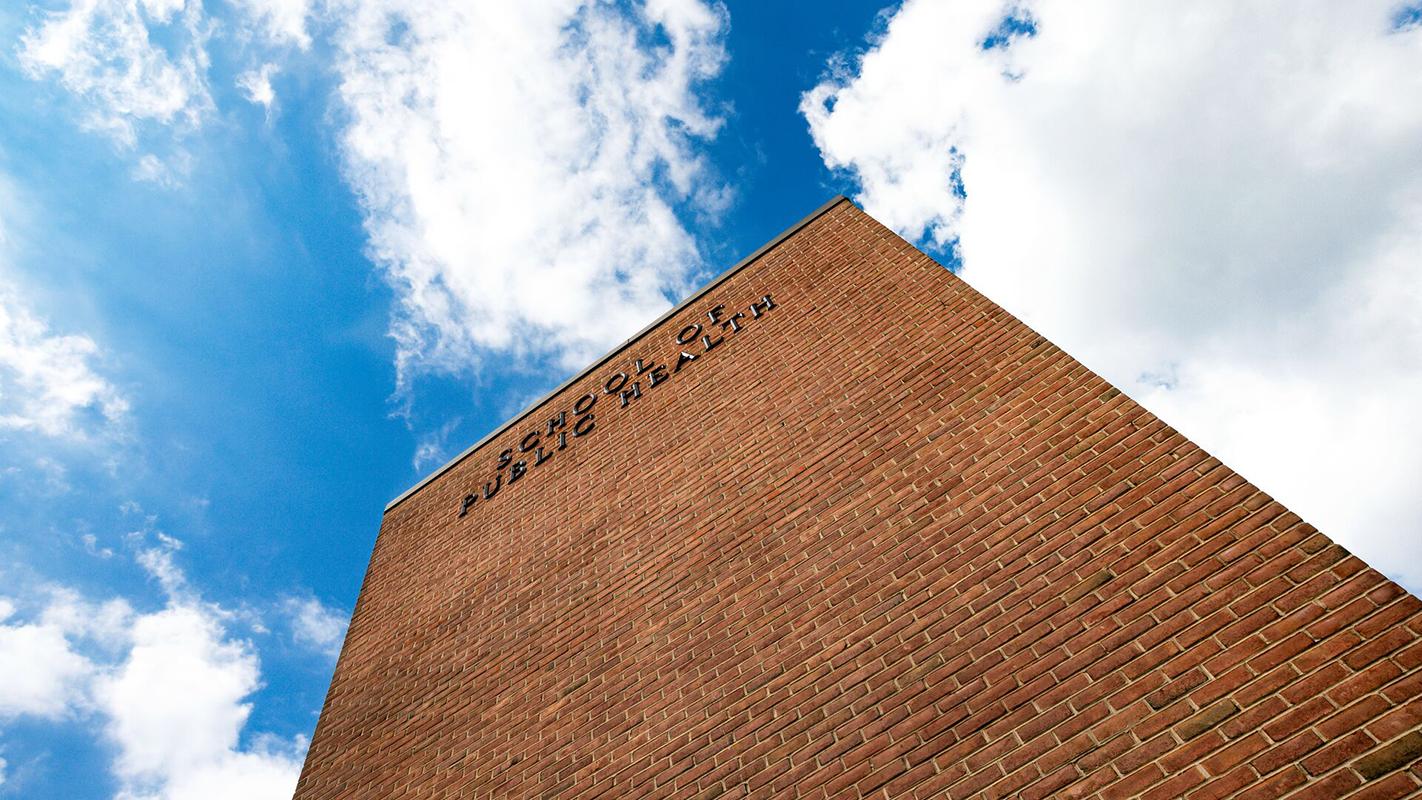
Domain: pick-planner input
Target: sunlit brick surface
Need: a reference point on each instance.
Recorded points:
(885, 541)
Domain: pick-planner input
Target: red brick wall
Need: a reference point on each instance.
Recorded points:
(885, 541)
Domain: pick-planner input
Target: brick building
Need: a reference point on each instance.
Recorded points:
(839, 526)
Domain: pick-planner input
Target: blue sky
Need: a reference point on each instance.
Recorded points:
(263, 264)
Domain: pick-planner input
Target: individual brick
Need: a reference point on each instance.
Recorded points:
(1392, 756)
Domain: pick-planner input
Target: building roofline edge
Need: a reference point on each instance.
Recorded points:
(693, 297)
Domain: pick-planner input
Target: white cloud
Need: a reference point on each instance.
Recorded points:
(169, 171)
(316, 625)
(171, 689)
(138, 69)
(1218, 207)
(103, 624)
(130, 62)
(49, 382)
(44, 677)
(158, 563)
(256, 86)
(177, 705)
(178, 702)
(519, 166)
(91, 546)
(283, 21)
(432, 446)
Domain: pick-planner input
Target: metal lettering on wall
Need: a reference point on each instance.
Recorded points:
(541, 442)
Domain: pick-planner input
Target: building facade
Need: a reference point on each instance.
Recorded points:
(839, 526)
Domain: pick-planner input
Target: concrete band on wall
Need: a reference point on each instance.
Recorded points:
(874, 538)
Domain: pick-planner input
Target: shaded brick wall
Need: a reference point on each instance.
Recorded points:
(885, 541)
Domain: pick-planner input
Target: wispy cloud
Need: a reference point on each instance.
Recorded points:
(256, 86)
(432, 447)
(316, 625)
(1228, 195)
(50, 382)
(130, 63)
(282, 21)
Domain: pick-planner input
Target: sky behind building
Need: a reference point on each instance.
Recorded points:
(265, 263)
